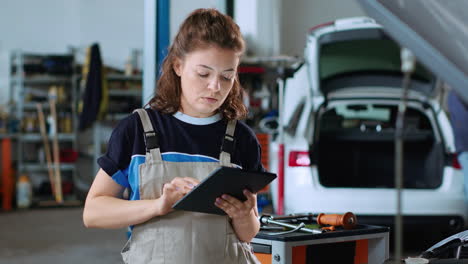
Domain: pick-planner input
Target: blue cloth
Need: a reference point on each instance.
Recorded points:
(93, 93)
(181, 138)
(459, 118)
(463, 160)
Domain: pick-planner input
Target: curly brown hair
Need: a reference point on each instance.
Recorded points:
(203, 28)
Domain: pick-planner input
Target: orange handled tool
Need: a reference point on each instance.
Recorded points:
(347, 220)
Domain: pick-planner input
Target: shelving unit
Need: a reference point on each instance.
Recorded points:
(33, 77)
(125, 93)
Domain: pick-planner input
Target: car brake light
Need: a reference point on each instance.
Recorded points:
(299, 159)
(455, 163)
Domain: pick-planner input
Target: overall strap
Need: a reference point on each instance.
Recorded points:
(150, 135)
(227, 147)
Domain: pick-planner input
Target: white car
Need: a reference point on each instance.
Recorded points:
(341, 108)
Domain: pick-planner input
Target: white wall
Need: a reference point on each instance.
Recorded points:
(51, 26)
(299, 15)
(259, 21)
(274, 27)
(117, 25)
(179, 10)
(34, 26)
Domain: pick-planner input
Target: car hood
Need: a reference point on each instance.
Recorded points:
(436, 31)
(364, 55)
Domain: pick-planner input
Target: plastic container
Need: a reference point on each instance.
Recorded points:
(23, 192)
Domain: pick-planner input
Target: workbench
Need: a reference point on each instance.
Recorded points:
(364, 244)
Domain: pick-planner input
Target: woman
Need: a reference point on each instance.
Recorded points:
(160, 153)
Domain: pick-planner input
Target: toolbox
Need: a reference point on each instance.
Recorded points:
(361, 245)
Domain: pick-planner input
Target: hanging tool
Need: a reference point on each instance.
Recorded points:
(267, 219)
(55, 145)
(45, 139)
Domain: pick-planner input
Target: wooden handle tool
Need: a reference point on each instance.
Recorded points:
(347, 220)
(55, 146)
(45, 140)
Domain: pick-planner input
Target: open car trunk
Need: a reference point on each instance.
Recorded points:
(355, 148)
(366, 58)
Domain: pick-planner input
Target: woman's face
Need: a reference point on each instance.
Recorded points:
(207, 76)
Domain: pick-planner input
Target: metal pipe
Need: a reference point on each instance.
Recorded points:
(281, 151)
(407, 67)
(308, 217)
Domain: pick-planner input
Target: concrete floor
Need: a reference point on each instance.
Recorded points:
(56, 235)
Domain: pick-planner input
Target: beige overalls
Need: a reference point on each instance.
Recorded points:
(181, 236)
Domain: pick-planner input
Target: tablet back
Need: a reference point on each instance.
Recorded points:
(223, 180)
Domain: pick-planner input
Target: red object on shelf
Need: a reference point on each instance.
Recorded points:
(67, 187)
(68, 155)
(251, 69)
(7, 181)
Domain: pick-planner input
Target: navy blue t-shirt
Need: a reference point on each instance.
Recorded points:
(181, 138)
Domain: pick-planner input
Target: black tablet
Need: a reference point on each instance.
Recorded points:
(223, 180)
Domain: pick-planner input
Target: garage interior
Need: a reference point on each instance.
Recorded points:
(53, 129)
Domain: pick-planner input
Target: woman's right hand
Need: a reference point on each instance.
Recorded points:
(174, 191)
(105, 208)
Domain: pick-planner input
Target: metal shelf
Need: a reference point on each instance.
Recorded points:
(115, 117)
(121, 92)
(41, 167)
(37, 84)
(121, 77)
(32, 137)
(45, 106)
(38, 80)
(112, 117)
(8, 135)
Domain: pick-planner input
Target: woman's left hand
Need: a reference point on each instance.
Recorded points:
(235, 208)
